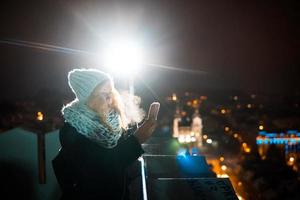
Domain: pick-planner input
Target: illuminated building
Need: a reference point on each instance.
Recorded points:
(176, 121)
(289, 141)
(196, 127)
(187, 133)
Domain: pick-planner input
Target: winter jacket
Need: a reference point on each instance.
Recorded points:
(85, 170)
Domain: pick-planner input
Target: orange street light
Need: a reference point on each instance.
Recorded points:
(39, 116)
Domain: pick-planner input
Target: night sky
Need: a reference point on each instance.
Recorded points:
(248, 45)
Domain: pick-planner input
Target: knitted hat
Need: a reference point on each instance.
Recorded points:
(83, 81)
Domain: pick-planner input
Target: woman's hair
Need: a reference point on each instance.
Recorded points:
(118, 105)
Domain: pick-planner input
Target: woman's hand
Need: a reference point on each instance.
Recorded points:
(144, 132)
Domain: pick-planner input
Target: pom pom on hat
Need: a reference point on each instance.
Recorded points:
(83, 81)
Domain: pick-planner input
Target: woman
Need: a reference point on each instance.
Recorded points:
(96, 144)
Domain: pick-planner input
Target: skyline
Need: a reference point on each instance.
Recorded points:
(250, 46)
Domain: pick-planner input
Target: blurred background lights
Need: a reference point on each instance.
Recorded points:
(222, 159)
(193, 139)
(188, 139)
(39, 116)
(247, 150)
(174, 97)
(181, 139)
(224, 167)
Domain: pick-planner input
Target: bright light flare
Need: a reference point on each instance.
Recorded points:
(123, 57)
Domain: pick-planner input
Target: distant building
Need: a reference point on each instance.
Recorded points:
(288, 141)
(196, 127)
(188, 130)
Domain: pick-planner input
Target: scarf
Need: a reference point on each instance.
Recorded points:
(88, 123)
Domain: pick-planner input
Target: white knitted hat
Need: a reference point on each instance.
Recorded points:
(83, 81)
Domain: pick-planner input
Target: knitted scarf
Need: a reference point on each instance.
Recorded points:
(88, 123)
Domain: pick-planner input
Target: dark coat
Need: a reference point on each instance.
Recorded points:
(85, 170)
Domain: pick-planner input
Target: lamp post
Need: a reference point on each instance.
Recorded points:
(124, 57)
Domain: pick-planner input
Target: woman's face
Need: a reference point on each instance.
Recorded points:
(105, 92)
(101, 99)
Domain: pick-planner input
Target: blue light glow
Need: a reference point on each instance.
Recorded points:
(182, 152)
(271, 135)
(292, 132)
(262, 133)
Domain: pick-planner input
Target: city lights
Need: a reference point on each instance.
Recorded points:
(223, 111)
(222, 158)
(209, 141)
(224, 167)
(39, 116)
(204, 137)
(187, 139)
(226, 128)
(247, 150)
(261, 127)
(222, 176)
(265, 138)
(181, 139)
(174, 97)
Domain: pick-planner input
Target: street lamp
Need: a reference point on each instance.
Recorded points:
(124, 57)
